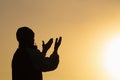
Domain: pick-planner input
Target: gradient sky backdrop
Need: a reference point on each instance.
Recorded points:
(85, 25)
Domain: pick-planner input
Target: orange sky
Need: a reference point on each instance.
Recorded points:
(85, 25)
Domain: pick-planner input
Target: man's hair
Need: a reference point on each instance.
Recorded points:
(24, 34)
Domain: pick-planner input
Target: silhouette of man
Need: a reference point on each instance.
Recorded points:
(28, 62)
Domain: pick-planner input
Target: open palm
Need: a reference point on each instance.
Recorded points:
(47, 45)
(57, 43)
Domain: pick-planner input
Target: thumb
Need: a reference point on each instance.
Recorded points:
(43, 43)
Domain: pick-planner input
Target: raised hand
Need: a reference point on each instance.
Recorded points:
(46, 46)
(57, 43)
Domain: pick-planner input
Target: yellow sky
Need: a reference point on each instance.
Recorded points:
(85, 25)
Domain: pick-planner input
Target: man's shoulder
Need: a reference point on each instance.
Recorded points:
(33, 51)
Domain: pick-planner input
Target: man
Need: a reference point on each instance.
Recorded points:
(28, 62)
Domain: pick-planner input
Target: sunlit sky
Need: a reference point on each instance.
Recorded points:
(87, 28)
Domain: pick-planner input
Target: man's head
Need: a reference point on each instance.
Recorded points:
(25, 36)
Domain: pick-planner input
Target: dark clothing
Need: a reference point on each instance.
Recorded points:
(28, 64)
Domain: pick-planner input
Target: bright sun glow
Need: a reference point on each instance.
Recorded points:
(112, 58)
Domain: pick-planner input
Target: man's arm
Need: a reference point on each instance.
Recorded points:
(43, 63)
(54, 58)
(49, 63)
(46, 46)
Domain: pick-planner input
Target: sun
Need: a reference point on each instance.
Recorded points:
(112, 58)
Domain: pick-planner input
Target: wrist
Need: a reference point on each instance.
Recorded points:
(44, 51)
(55, 50)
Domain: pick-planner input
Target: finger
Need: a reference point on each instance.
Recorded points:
(60, 39)
(56, 40)
(43, 43)
(51, 40)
